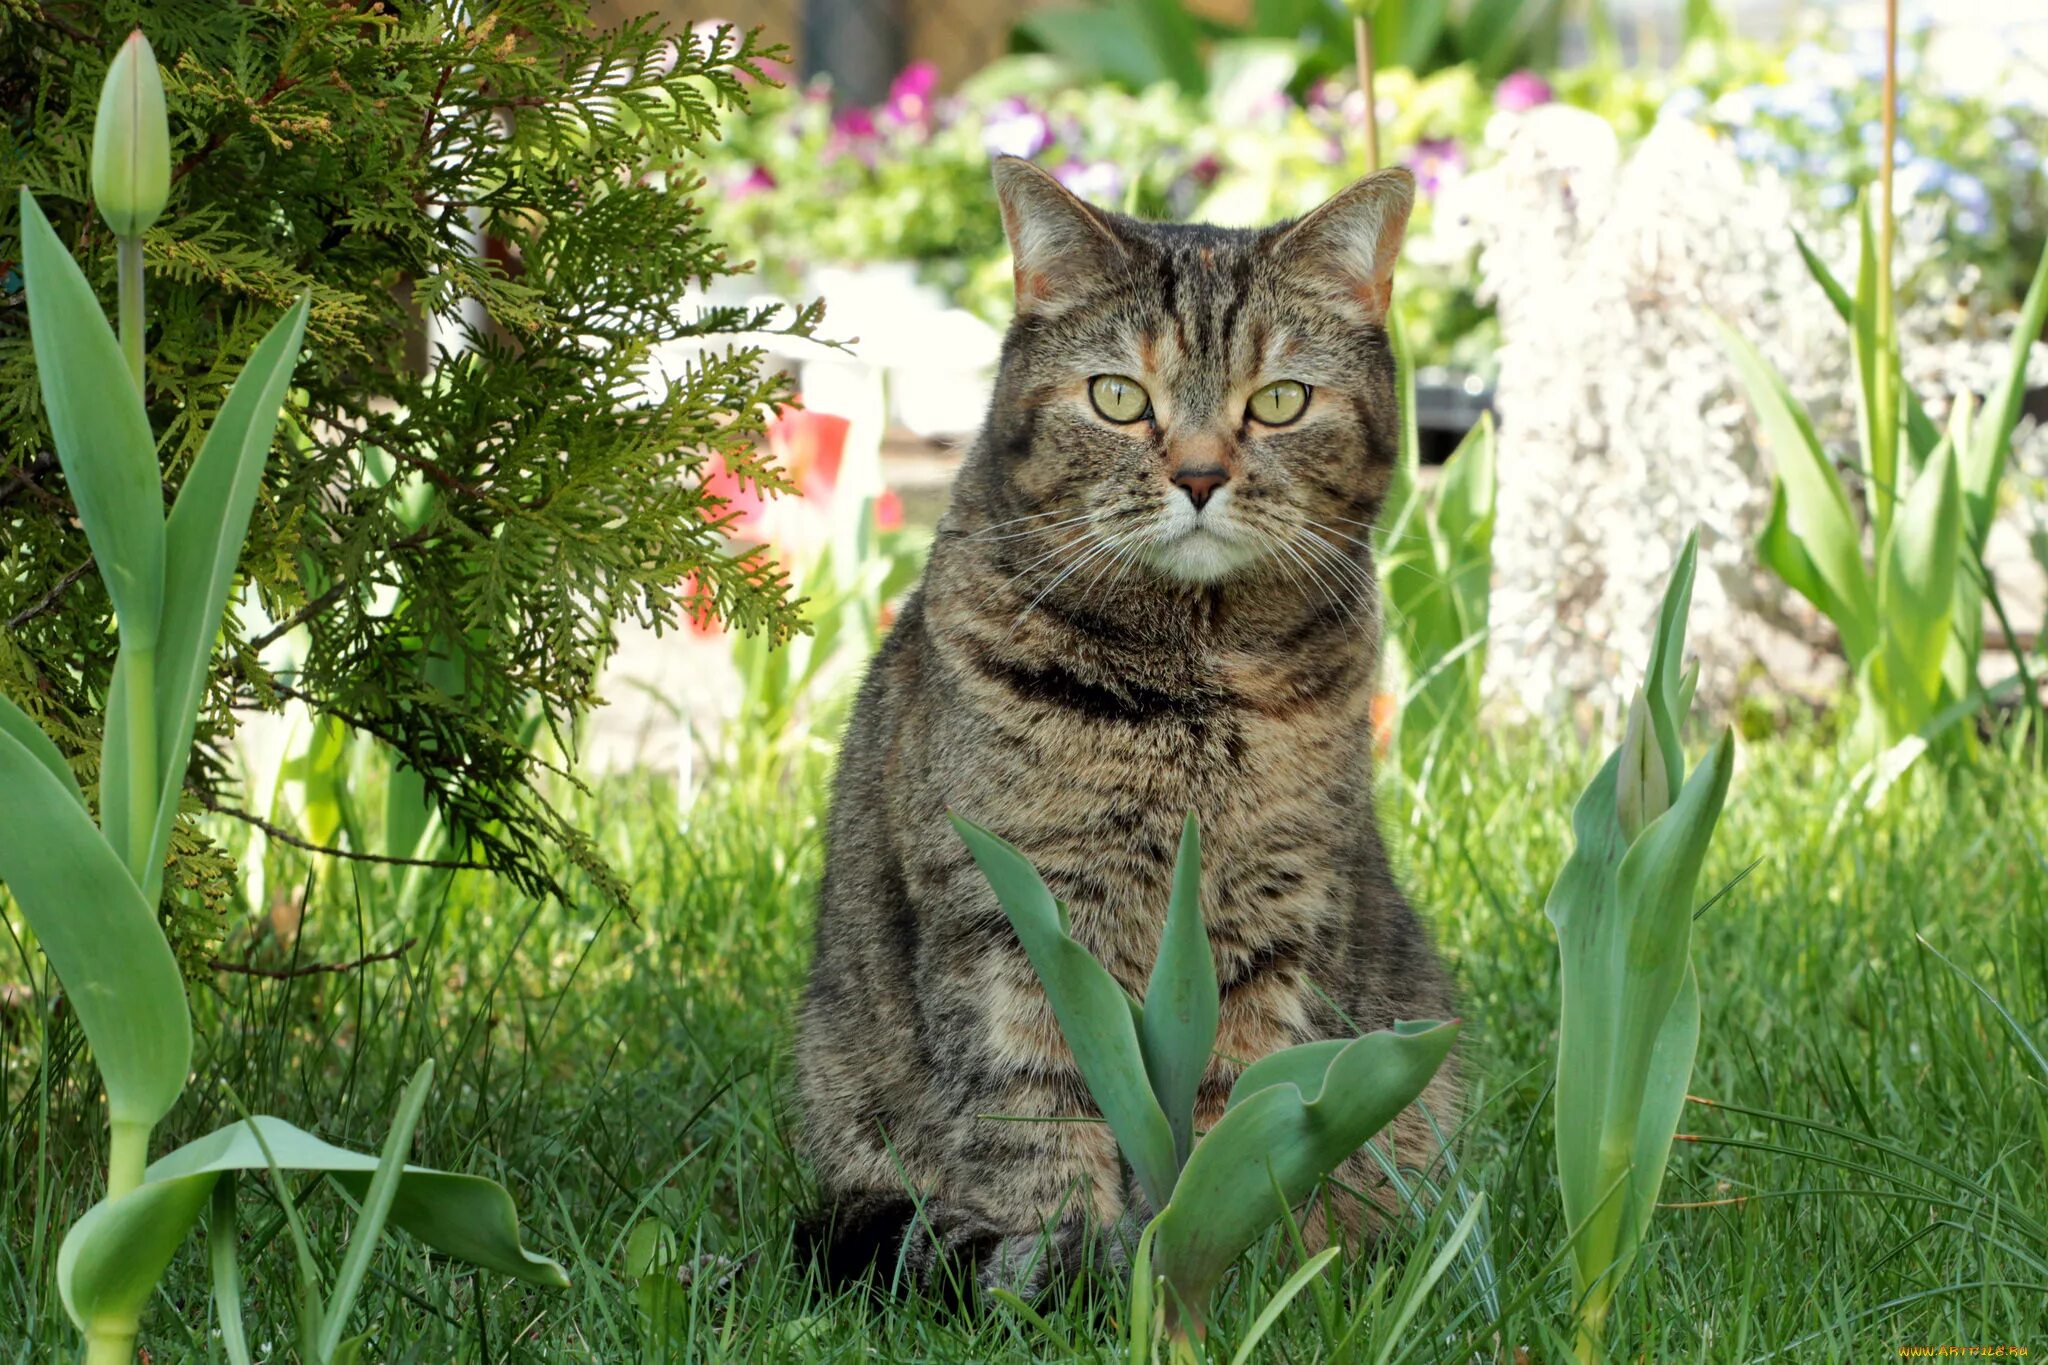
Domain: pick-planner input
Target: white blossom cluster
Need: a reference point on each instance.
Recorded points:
(1622, 426)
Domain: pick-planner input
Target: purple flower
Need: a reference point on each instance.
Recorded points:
(853, 121)
(910, 94)
(1014, 128)
(1206, 169)
(1099, 182)
(1520, 90)
(1436, 162)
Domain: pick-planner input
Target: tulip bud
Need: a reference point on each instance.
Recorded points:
(1642, 791)
(131, 141)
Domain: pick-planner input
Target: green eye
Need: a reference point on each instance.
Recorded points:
(1279, 403)
(1119, 398)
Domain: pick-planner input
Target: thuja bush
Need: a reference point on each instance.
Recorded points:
(449, 535)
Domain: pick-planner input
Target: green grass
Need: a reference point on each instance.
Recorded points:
(615, 1073)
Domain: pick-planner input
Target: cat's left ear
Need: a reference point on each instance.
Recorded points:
(1352, 240)
(1058, 243)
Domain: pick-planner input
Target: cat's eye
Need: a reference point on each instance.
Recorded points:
(1119, 398)
(1279, 403)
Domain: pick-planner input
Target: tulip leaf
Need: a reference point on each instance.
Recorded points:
(102, 433)
(1667, 662)
(1916, 595)
(1302, 1066)
(1817, 507)
(203, 545)
(1921, 433)
(1294, 1137)
(1983, 461)
(19, 726)
(1876, 375)
(112, 1258)
(1096, 1017)
(1626, 1032)
(100, 935)
(1177, 1028)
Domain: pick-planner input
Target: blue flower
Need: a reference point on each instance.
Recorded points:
(1682, 104)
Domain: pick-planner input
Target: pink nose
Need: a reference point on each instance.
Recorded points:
(1199, 484)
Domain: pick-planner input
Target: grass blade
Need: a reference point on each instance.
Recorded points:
(369, 1228)
(1276, 1305)
(223, 1255)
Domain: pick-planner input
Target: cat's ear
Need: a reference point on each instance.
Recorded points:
(1056, 240)
(1352, 240)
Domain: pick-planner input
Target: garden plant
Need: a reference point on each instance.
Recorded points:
(1291, 1118)
(1629, 1022)
(88, 892)
(443, 385)
(1436, 563)
(491, 218)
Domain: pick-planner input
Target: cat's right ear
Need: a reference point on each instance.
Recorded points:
(1056, 240)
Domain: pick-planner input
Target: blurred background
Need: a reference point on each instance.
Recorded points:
(1600, 182)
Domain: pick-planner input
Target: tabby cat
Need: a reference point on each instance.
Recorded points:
(1152, 593)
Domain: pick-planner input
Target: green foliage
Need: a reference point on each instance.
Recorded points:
(1291, 1119)
(87, 894)
(1629, 1021)
(343, 153)
(1902, 576)
(1138, 43)
(1436, 560)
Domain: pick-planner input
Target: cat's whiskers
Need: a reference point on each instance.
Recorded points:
(1358, 580)
(984, 533)
(1300, 572)
(1104, 545)
(1031, 569)
(1312, 576)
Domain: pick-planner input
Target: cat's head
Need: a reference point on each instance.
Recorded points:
(1209, 402)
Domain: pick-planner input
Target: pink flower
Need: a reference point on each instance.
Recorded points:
(910, 94)
(1436, 162)
(854, 121)
(754, 182)
(888, 511)
(1520, 90)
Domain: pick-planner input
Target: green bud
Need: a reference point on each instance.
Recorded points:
(1642, 791)
(131, 141)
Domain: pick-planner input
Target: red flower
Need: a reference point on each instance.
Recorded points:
(809, 447)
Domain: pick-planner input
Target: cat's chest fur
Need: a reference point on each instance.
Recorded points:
(1089, 759)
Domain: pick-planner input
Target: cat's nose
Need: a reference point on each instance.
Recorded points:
(1199, 484)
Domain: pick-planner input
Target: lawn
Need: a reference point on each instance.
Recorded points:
(1866, 1177)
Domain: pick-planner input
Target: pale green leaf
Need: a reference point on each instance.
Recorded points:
(1294, 1138)
(100, 935)
(1817, 508)
(1177, 1027)
(1916, 595)
(1984, 460)
(203, 545)
(464, 1216)
(1095, 1015)
(16, 724)
(102, 433)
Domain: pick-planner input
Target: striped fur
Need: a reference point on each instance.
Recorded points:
(1076, 673)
